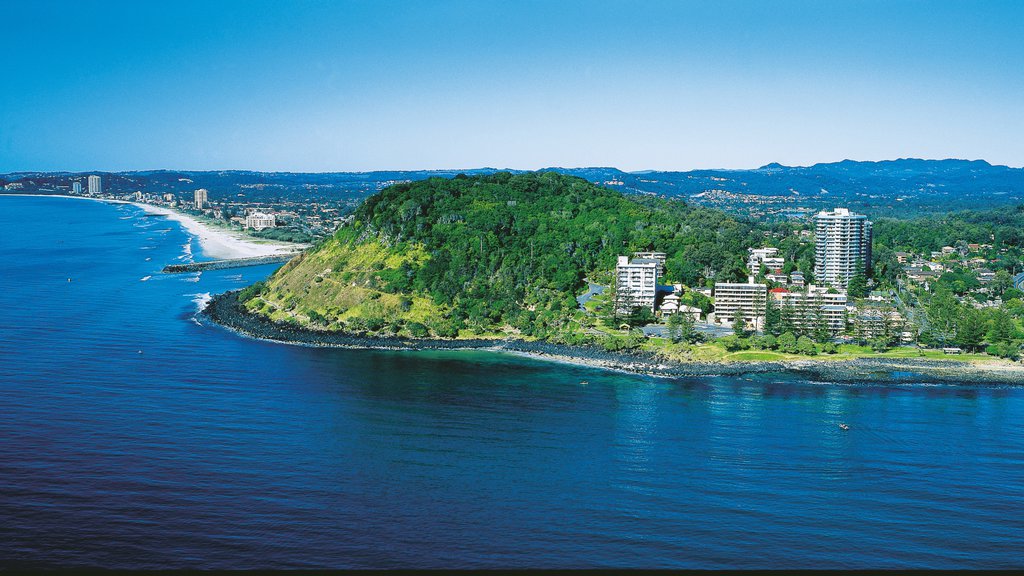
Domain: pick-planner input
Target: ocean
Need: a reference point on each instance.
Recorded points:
(134, 434)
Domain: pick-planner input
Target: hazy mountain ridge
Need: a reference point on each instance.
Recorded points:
(906, 185)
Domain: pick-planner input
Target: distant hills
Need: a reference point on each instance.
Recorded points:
(891, 187)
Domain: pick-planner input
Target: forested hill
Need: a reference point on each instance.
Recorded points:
(490, 252)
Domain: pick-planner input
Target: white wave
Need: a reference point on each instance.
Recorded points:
(194, 278)
(148, 259)
(201, 300)
(145, 278)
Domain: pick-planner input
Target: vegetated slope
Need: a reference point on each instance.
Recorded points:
(486, 254)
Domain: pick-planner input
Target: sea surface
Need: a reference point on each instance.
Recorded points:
(134, 434)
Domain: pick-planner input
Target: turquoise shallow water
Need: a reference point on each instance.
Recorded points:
(210, 450)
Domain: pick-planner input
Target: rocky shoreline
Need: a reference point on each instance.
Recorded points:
(225, 310)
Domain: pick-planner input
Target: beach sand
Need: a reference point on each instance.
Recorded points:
(215, 242)
(218, 243)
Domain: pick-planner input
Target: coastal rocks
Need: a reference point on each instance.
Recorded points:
(225, 310)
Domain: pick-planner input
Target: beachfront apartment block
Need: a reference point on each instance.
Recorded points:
(636, 283)
(749, 299)
(816, 306)
(201, 198)
(95, 186)
(842, 246)
(259, 221)
(76, 187)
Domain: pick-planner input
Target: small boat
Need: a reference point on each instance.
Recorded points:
(584, 382)
(843, 426)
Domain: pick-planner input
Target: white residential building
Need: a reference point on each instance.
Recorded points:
(767, 256)
(95, 186)
(659, 257)
(748, 299)
(76, 187)
(843, 246)
(202, 198)
(260, 221)
(808, 308)
(636, 283)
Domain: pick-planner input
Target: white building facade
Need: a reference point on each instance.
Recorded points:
(260, 221)
(842, 246)
(747, 299)
(636, 283)
(95, 186)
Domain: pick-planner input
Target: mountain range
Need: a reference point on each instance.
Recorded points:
(885, 188)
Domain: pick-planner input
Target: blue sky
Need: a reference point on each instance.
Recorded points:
(368, 85)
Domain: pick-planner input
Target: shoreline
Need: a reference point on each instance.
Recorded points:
(223, 310)
(215, 243)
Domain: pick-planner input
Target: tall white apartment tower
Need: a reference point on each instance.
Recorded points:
(76, 187)
(95, 186)
(636, 283)
(843, 246)
(201, 198)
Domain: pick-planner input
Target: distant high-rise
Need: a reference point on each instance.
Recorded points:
(201, 198)
(95, 186)
(76, 187)
(843, 246)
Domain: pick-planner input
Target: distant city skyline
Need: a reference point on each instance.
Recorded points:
(361, 86)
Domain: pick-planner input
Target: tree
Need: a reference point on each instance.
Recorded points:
(1002, 326)
(787, 343)
(970, 330)
(1001, 282)
(739, 324)
(772, 317)
(805, 345)
(943, 315)
(640, 316)
(857, 287)
(680, 327)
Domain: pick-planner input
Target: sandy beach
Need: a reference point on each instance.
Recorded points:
(216, 243)
(219, 243)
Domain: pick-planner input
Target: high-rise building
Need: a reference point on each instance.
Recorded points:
(95, 186)
(76, 187)
(201, 198)
(843, 246)
(636, 283)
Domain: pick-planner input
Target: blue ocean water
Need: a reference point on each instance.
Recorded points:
(134, 435)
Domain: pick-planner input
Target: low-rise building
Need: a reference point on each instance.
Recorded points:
(747, 299)
(260, 221)
(658, 257)
(769, 257)
(817, 305)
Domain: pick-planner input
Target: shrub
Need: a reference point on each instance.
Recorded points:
(787, 343)
(733, 343)
(417, 330)
(806, 346)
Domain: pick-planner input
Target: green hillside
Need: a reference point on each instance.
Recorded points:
(490, 255)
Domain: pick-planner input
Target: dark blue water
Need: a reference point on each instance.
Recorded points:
(209, 450)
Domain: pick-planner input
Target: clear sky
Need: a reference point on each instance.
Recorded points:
(366, 85)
